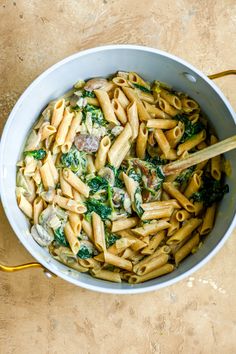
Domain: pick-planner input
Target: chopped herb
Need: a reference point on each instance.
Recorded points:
(190, 129)
(211, 191)
(85, 252)
(110, 239)
(60, 237)
(36, 154)
(97, 183)
(75, 160)
(101, 209)
(141, 88)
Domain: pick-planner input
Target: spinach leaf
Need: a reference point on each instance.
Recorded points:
(101, 209)
(88, 94)
(96, 115)
(85, 252)
(110, 239)
(75, 160)
(184, 176)
(190, 129)
(97, 183)
(211, 191)
(60, 237)
(135, 175)
(109, 196)
(137, 202)
(36, 154)
(142, 88)
(118, 182)
(156, 160)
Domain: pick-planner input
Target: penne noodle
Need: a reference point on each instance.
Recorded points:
(71, 238)
(153, 264)
(73, 129)
(47, 130)
(119, 143)
(155, 111)
(66, 188)
(175, 193)
(193, 185)
(182, 215)
(119, 111)
(52, 167)
(141, 144)
(98, 232)
(90, 263)
(107, 275)
(120, 96)
(117, 261)
(132, 114)
(120, 81)
(133, 97)
(186, 249)
(161, 204)
(64, 127)
(208, 220)
(167, 108)
(189, 226)
(164, 212)
(174, 224)
(137, 245)
(162, 141)
(37, 209)
(75, 182)
(106, 106)
(101, 157)
(151, 229)
(69, 204)
(188, 105)
(171, 99)
(90, 164)
(46, 176)
(25, 206)
(154, 243)
(75, 222)
(57, 114)
(165, 269)
(87, 228)
(123, 224)
(191, 143)
(198, 207)
(145, 96)
(161, 123)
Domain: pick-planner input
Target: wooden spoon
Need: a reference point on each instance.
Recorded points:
(202, 155)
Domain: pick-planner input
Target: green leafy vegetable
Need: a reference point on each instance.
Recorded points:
(135, 174)
(110, 238)
(75, 160)
(184, 176)
(101, 209)
(60, 237)
(190, 129)
(97, 183)
(109, 196)
(211, 191)
(85, 252)
(36, 154)
(88, 94)
(156, 160)
(118, 182)
(142, 88)
(137, 202)
(96, 115)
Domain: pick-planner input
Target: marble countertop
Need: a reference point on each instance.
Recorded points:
(197, 315)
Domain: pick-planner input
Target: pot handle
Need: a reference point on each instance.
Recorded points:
(222, 74)
(5, 268)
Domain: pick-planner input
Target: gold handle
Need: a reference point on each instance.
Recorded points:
(222, 74)
(4, 268)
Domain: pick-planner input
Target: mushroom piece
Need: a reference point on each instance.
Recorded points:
(86, 142)
(94, 84)
(41, 236)
(108, 174)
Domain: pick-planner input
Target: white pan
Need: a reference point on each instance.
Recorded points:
(103, 61)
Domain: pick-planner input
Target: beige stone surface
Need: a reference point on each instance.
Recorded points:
(37, 315)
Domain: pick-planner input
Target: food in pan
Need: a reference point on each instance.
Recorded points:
(91, 183)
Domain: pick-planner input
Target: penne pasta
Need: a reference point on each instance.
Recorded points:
(69, 204)
(132, 114)
(64, 127)
(151, 229)
(75, 182)
(186, 249)
(189, 226)
(208, 220)
(71, 238)
(175, 193)
(101, 157)
(119, 111)
(98, 232)
(142, 141)
(73, 129)
(123, 224)
(165, 269)
(162, 141)
(57, 114)
(106, 106)
(161, 123)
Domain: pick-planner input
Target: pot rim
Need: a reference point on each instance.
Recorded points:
(31, 250)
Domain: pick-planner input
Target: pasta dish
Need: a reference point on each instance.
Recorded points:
(90, 179)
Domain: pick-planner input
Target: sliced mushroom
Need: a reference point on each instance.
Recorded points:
(86, 142)
(41, 236)
(96, 83)
(108, 174)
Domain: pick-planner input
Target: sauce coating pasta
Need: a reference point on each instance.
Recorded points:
(91, 185)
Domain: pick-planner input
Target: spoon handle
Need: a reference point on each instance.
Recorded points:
(202, 155)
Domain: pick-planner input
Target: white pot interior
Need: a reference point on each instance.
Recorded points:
(151, 65)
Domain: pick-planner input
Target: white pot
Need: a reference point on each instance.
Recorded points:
(103, 61)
